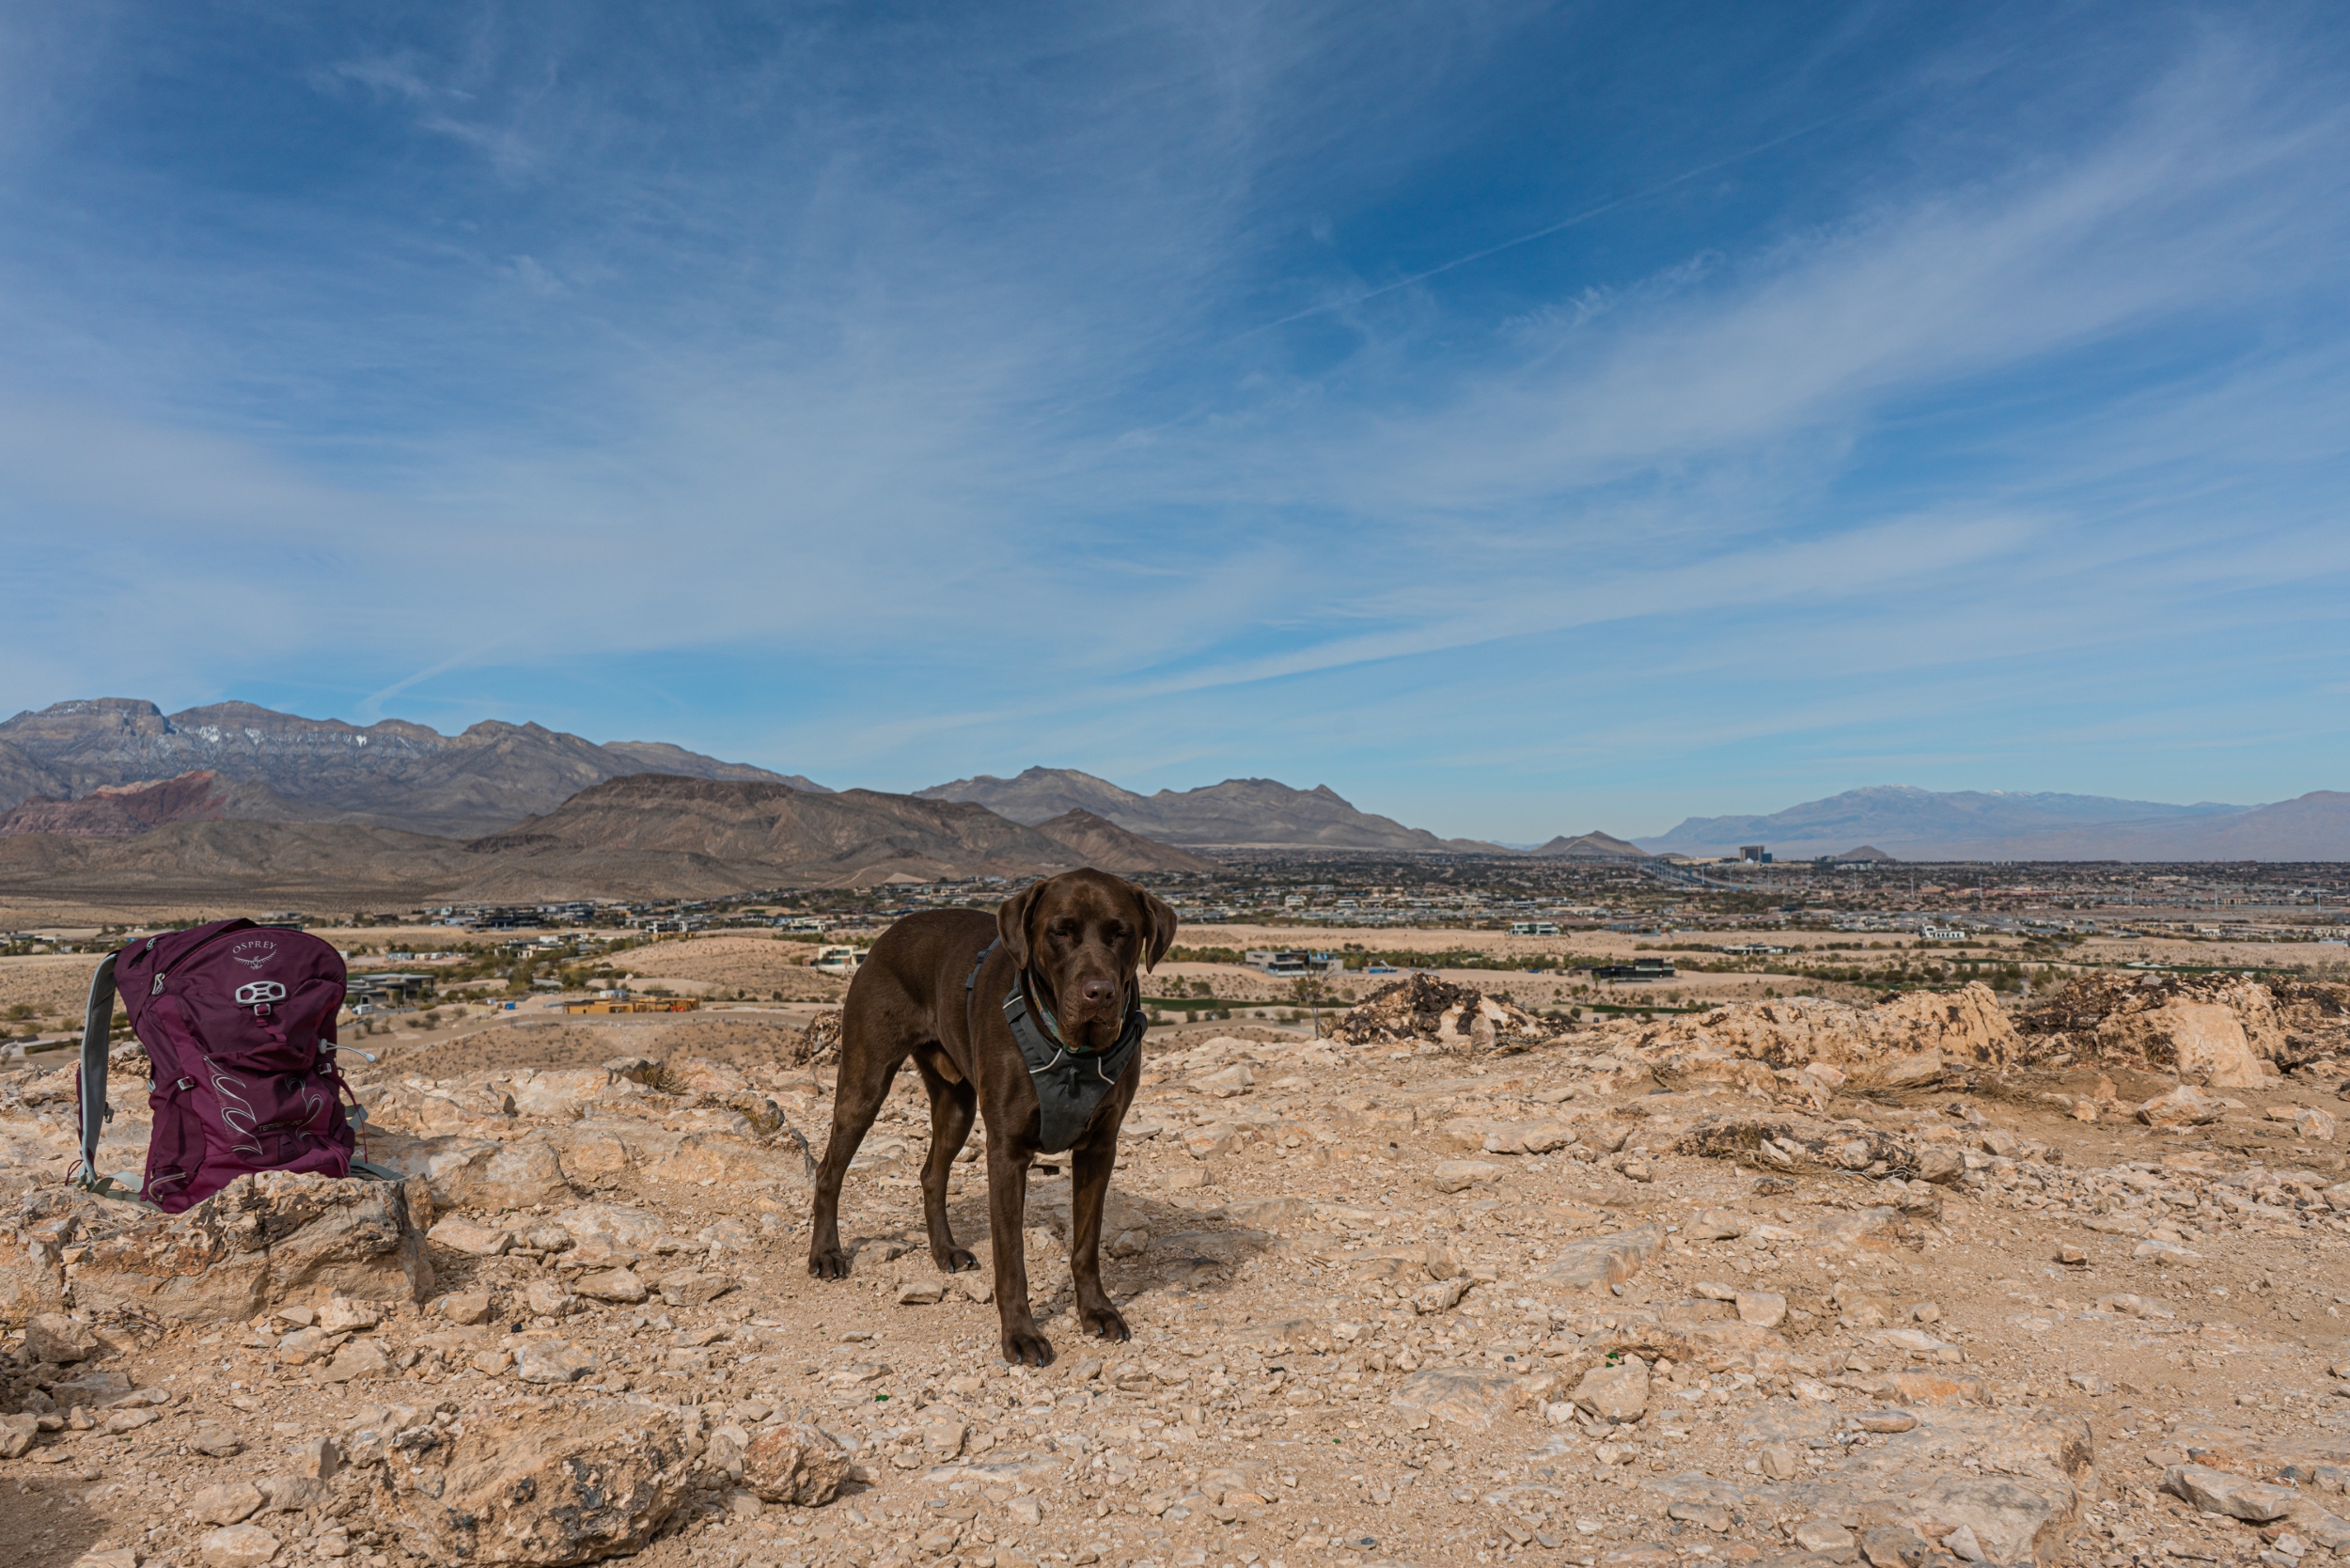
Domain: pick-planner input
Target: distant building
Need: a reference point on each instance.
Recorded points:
(1639, 969)
(1755, 852)
(1533, 928)
(1941, 934)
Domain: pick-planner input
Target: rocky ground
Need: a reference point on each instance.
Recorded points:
(1789, 1283)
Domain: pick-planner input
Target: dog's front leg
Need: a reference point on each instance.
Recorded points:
(1089, 1174)
(1007, 1207)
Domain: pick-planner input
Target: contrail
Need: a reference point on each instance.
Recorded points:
(1561, 225)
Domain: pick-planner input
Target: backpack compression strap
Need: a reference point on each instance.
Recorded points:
(97, 1023)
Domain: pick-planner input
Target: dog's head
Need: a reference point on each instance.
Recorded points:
(1083, 935)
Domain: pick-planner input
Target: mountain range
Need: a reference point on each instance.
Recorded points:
(113, 768)
(1239, 814)
(639, 836)
(1923, 825)
(392, 774)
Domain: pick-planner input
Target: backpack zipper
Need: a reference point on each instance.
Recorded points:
(162, 975)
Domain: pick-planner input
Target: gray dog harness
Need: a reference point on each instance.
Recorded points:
(1070, 1084)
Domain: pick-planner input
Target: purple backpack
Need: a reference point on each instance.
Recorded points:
(239, 1025)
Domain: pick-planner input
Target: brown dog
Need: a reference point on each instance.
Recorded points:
(949, 988)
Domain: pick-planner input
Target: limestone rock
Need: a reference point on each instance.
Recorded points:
(17, 1434)
(229, 1504)
(795, 1463)
(555, 1488)
(2222, 1492)
(1801, 1143)
(694, 1288)
(464, 1307)
(618, 1285)
(1456, 1394)
(56, 1336)
(1459, 1175)
(550, 1361)
(1596, 1262)
(236, 1546)
(1617, 1393)
(2184, 1106)
(466, 1235)
(261, 1240)
(1233, 1080)
(357, 1359)
(495, 1176)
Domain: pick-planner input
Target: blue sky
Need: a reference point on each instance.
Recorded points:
(1523, 419)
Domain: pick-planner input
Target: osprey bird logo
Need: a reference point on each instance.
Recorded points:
(253, 955)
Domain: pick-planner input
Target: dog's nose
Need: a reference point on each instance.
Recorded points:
(1098, 991)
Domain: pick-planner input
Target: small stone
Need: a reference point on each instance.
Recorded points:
(1824, 1535)
(1130, 1243)
(1617, 1393)
(1885, 1420)
(2073, 1255)
(2182, 1107)
(795, 1463)
(1460, 1175)
(494, 1362)
(464, 1233)
(464, 1307)
(17, 1434)
(1762, 1309)
(1926, 1311)
(946, 1438)
(293, 1494)
(921, 1293)
(357, 1359)
(212, 1442)
(2237, 1497)
(1778, 1461)
(1235, 1079)
(619, 1285)
(120, 1421)
(1026, 1511)
(545, 1299)
(231, 1504)
(550, 1361)
(1894, 1546)
(344, 1316)
(55, 1337)
(316, 1458)
(694, 1288)
(237, 1546)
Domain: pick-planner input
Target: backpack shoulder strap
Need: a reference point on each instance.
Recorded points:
(97, 1025)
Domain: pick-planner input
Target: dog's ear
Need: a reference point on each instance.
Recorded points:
(1158, 922)
(1011, 922)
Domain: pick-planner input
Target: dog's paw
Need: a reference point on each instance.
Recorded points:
(953, 1259)
(829, 1263)
(1028, 1348)
(1104, 1323)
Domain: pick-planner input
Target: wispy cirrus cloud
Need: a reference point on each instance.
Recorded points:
(1195, 390)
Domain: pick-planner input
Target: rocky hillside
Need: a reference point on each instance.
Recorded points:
(1101, 843)
(392, 774)
(1444, 1295)
(743, 835)
(1239, 814)
(125, 810)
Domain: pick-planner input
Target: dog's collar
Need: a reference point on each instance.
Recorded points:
(1038, 1031)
